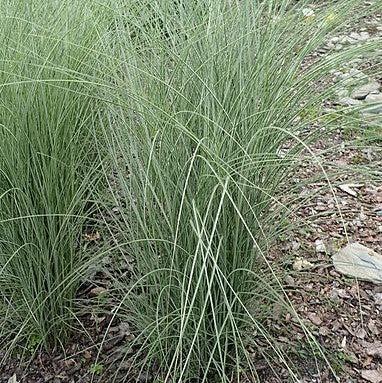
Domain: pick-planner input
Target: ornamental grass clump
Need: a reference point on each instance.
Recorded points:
(206, 136)
(48, 124)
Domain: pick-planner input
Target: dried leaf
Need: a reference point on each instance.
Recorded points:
(69, 363)
(360, 333)
(324, 331)
(289, 280)
(314, 318)
(373, 327)
(124, 328)
(97, 291)
(13, 379)
(346, 188)
(92, 237)
(374, 349)
(373, 376)
(302, 264)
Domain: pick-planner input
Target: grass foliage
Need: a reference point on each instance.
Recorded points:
(191, 113)
(48, 120)
(213, 93)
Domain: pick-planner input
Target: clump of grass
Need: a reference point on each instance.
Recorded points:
(205, 140)
(203, 128)
(48, 124)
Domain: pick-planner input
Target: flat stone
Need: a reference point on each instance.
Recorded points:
(354, 72)
(374, 99)
(364, 36)
(359, 36)
(359, 261)
(354, 35)
(341, 92)
(348, 101)
(373, 376)
(361, 92)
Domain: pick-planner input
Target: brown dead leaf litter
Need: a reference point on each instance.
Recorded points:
(343, 313)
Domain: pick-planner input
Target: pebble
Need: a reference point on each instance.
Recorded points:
(295, 245)
(320, 246)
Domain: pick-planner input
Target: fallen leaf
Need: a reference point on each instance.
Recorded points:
(373, 327)
(360, 333)
(346, 188)
(289, 280)
(324, 331)
(97, 291)
(69, 363)
(302, 264)
(374, 349)
(124, 328)
(366, 361)
(342, 293)
(343, 342)
(13, 379)
(93, 237)
(314, 318)
(373, 376)
(295, 245)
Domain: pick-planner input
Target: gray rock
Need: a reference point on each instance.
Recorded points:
(374, 99)
(362, 36)
(320, 246)
(354, 72)
(348, 101)
(359, 261)
(342, 93)
(354, 35)
(361, 92)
